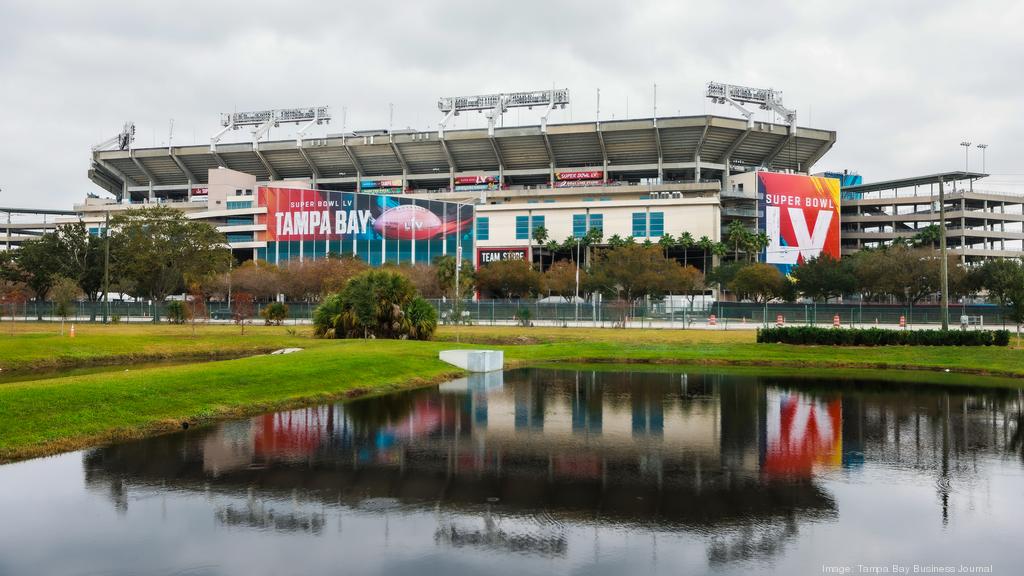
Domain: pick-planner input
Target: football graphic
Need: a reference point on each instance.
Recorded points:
(409, 222)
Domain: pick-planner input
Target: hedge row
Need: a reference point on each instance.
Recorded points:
(879, 337)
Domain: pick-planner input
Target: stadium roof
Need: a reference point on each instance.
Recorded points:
(621, 146)
(910, 182)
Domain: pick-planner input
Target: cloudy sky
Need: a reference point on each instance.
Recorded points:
(903, 83)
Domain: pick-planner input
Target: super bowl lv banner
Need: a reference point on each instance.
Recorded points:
(305, 224)
(801, 217)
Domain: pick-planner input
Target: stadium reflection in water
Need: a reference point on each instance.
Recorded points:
(540, 471)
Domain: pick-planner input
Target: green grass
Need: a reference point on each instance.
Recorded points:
(46, 416)
(39, 346)
(52, 414)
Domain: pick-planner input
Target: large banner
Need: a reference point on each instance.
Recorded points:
(378, 228)
(801, 217)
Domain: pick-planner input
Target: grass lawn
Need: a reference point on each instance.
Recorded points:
(52, 414)
(39, 346)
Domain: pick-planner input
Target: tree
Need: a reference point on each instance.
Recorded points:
(824, 277)
(242, 309)
(261, 279)
(157, 249)
(560, 279)
(739, 237)
(667, 242)
(631, 272)
(196, 304)
(688, 281)
(1004, 281)
(274, 313)
(376, 304)
(508, 279)
(685, 241)
(758, 243)
(39, 264)
(445, 269)
(64, 293)
(81, 258)
(310, 280)
(424, 277)
(540, 236)
(759, 282)
(706, 245)
(928, 236)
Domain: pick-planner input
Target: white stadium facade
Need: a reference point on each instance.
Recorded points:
(403, 195)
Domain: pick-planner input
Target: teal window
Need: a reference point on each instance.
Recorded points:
(239, 221)
(549, 201)
(639, 224)
(239, 205)
(538, 222)
(483, 228)
(240, 237)
(579, 225)
(522, 227)
(657, 224)
(597, 222)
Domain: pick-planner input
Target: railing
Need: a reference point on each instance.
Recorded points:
(669, 313)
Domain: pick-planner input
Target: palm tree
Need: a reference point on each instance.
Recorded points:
(685, 241)
(616, 241)
(540, 236)
(707, 245)
(928, 235)
(720, 249)
(666, 242)
(761, 241)
(737, 234)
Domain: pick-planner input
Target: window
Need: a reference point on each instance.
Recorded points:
(239, 205)
(239, 221)
(579, 225)
(657, 224)
(240, 237)
(538, 222)
(522, 227)
(597, 222)
(639, 224)
(483, 228)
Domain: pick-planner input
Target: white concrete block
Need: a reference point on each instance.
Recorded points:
(475, 360)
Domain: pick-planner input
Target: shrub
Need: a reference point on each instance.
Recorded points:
(808, 335)
(522, 316)
(376, 304)
(274, 313)
(176, 312)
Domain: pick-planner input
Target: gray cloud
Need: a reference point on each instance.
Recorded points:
(901, 82)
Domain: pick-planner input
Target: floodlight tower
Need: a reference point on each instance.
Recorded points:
(123, 140)
(764, 98)
(263, 120)
(494, 105)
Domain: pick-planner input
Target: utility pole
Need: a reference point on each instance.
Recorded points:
(106, 267)
(944, 263)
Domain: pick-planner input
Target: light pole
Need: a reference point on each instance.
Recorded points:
(967, 146)
(943, 264)
(983, 146)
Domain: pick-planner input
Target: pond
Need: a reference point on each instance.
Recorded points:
(542, 471)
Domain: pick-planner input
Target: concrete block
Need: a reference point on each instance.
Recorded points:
(475, 360)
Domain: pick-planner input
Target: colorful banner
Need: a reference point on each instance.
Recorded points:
(470, 180)
(801, 217)
(580, 175)
(377, 227)
(200, 191)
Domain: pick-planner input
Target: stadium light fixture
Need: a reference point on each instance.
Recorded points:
(983, 147)
(123, 140)
(763, 98)
(967, 148)
(264, 120)
(494, 105)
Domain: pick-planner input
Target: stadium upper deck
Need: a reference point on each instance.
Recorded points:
(686, 148)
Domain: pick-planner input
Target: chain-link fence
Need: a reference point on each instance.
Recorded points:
(667, 313)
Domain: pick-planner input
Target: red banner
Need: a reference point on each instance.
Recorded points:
(580, 175)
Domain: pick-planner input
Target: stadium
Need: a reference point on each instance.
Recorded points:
(396, 196)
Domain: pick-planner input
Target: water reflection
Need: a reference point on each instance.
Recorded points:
(528, 463)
